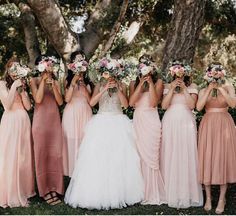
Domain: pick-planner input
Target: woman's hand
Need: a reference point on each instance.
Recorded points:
(75, 79)
(212, 85)
(182, 84)
(17, 83)
(175, 84)
(44, 76)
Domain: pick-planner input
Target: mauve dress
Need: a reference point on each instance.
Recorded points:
(217, 144)
(47, 136)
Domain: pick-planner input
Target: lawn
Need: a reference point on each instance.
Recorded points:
(38, 207)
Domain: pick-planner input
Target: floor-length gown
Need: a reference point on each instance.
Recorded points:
(148, 129)
(107, 172)
(75, 117)
(179, 163)
(16, 155)
(47, 136)
(217, 144)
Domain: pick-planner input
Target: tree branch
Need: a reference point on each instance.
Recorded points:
(31, 39)
(54, 25)
(115, 28)
(94, 34)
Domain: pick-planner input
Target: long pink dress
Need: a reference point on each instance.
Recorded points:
(217, 144)
(16, 156)
(179, 159)
(148, 131)
(75, 117)
(47, 136)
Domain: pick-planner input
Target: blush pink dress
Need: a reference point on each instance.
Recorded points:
(16, 155)
(47, 136)
(148, 131)
(75, 117)
(217, 144)
(179, 159)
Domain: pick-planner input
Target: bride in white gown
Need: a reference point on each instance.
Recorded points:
(107, 173)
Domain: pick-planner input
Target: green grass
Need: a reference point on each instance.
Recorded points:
(39, 207)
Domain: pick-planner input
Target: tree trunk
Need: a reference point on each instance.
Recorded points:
(31, 39)
(95, 32)
(115, 28)
(185, 28)
(54, 25)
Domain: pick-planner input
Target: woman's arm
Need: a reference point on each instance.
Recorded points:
(122, 94)
(38, 92)
(134, 93)
(168, 97)
(25, 100)
(156, 91)
(97, 94)
(229, 95)
(57, 92)
(69, 91)
(203, 96)
(191, 99)
(7, 97)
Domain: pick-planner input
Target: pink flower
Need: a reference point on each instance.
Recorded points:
(141, 65)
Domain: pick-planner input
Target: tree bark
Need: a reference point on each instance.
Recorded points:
(115, 28)
(94, 34)
(54, 25)
(185, 28)
(31, 39)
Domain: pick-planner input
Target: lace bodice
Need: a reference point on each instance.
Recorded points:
(109, 103)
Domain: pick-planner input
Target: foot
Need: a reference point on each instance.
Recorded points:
(220, 207)
(49, 199)
(56, 199)
(207, 205)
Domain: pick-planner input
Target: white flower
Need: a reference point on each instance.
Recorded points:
(41, 67)
(111, 65)
(146, 70)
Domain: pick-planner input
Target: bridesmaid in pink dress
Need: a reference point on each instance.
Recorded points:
(148, 131)
(179, 159)
(217, 142)
(75, 116)
(16, 156)
(47, 136)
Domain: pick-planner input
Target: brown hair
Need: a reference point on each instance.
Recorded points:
(7, 77)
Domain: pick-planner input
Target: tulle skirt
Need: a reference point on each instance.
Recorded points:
(179, 163)
(217, 149)
(16, 159)
(107, 172)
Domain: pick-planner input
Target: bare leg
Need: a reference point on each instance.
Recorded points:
(207, 205)
(221, 203)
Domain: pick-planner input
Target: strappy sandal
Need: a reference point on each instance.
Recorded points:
(55, 198)
(49, 200)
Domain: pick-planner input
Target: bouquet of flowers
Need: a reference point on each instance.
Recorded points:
(215, 73)
(179, 69)
(112, 68)
(145, 67)
(51, 64)
(20, 71)
(78, 65)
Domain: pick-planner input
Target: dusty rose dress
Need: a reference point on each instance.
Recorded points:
(148, 131)
(217, 144)
(179, 159)
(16, 155)
(47, 136)
(75, 117)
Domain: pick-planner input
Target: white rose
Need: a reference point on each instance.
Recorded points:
(41, 67)
(146, 70)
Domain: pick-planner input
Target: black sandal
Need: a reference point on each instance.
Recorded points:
(49, 200)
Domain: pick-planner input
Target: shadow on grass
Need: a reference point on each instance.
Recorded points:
(39, 207)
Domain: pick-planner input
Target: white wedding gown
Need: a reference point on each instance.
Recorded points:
(107, 172)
